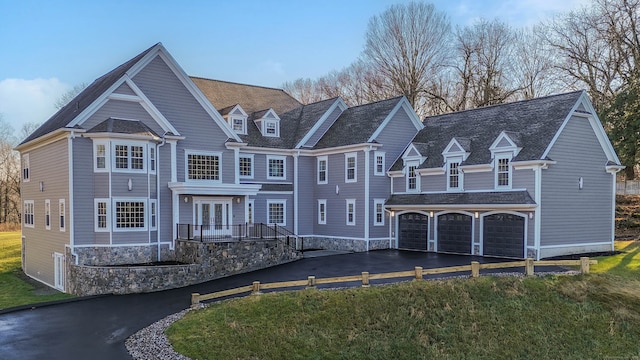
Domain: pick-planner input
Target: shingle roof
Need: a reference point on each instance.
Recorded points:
(474, 198)
(252, 98)
(356, 125)
(120, 126)
(277, 187)
(86, 97)
(531, 123)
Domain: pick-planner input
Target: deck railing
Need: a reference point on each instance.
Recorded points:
(237, 232)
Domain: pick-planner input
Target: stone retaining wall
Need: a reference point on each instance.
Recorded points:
(204, 262)
(342, 244)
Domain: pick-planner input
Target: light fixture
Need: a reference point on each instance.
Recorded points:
(238, 200)
(186, 199)
(41, 186)
(476, 214)
(337, 189)
(431, 214)
(580, 183)
(392, 213)
(130, 184)
(530, 215)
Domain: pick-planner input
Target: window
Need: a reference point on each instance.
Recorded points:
(379, 166)
(61, 213)
(276, 167)
(351, 211)
(152, 159)
(100, 154)
(102, 221)
(246, 166)
(503, 171)
(153, 216)
(322, 170)
(28, 213)
(454, 176)
(271, 128)
(47, 214)
(276, 211)
(379, 212)
(128, 157)
(129, 215)
(25, 168)
(350, 164)
(322, 212)
(203, 166)
(238, 125)
(412, 177)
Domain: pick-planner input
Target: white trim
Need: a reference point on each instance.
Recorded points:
(377, 202)
(107, 203)
(367, 198)
(394, 223)
(33, 213)
(537, 230)
(513, 148)
(252, 169)
(276, 192)
(25, 165)
(62, 215)
(464, 207)
(324, 158)
(404, 104)
(415, 164)
(347, 203)
(322, 202)
(447, 153)
(153, 215)
(107, 155)
(152, 159)
(128, 144)
(346, 167)
(284, 211)
(572, 245)
(249, 203)
(613, 212)
(208, 188)
(338, 103)
(124, 245)
(295, 193)
(145, 215)
(47, 212)
(449, 161)
(432, 171)
(502, 156)
(406, 157)
(59, 270)
(377, 154)
(525, 230)
(475, 168)
(284, 167)
(188, 152)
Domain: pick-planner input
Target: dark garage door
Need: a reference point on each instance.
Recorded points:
(413, 231)
(503, 235)
(454, 233)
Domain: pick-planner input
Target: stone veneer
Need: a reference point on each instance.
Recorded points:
(203, 262)
(333, 243)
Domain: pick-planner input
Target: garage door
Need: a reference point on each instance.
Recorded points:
(454, 233)
(503, 235)
(412, 230)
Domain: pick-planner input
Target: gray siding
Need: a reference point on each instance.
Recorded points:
(124, 89)
(479, 181)
(260, 204)
(165, 211)
(85, 190)
(570, 215)
(432, 183)
(260, 170)
(123, 110)
(50, 165)
(307, 203)
(525, 179)
(313, 140)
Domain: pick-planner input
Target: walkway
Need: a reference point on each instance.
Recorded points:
(96, 328)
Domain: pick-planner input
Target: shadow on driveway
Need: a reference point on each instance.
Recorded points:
(97, 327)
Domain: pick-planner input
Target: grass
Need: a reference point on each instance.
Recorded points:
(15, 288)
(555, 317)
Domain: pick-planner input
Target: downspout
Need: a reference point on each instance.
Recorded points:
(366, 195)
(295, 192)
(538, 215)
(71, 215)
(158, 190)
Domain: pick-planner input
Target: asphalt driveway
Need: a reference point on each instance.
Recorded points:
(96, 328)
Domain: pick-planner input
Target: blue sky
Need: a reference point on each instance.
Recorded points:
(47, 47)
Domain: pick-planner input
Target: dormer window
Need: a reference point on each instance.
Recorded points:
(268, 122)
(503, 171)
(504, 148)
(454, 154)
(454, 175)
(236, 118)
(239, 125)
(271, 128)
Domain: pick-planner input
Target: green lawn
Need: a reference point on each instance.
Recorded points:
(15, 288)
(555, 317)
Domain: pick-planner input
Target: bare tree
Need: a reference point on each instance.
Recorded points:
(532, 65)
(407, 44)
(9, 176)
(303, 89)
(69, 95)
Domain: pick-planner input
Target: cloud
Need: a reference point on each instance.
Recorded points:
(23, 101)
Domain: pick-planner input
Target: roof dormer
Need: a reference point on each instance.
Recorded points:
(506, 142)
(458, 148)
(236, 117)
(412, 153)
(268, 122)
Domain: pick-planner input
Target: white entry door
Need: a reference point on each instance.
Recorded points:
(214, 214)
(58, 268)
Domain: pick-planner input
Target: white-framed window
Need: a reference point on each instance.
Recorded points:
(378, 213)
(153, 214)
(454, 175)
(276, 212)
(26, 175)
(379, 163)
(47, 214)
(28, 214)
(202, 165)
(322, 211)
(129, 215)
(101, 156)
(245, 163)
(271, 128)
(350, 167)
(239, 125)
(128, 157)
(276, 167)
(413, 179)
(503, 171)
(322, 162)
(62, 214)
(351, 211)
(102, 215)
(152, 159)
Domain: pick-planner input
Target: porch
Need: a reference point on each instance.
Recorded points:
(238, 232)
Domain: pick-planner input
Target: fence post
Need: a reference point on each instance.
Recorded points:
(195, 300)
(528, 269)
(256, 288)
(365, 279)
(418, 272)
(275, 231)
(475, 269)
(584, 265)
(311, 284)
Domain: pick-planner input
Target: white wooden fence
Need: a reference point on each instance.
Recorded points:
(629, 187)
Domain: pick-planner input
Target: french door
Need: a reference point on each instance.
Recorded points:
(213, 215)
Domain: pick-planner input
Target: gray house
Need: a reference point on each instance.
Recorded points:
(147, 156)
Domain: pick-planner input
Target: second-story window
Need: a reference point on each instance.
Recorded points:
(276, 167)
(412, 177)
(25, 168)
(322, 170)
(202, 166)
(379, 166)
(350, 166)
(503, 172)
(454, 181)
(128, 157)
(246, 166)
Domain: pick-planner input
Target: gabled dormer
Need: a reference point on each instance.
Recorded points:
(506, 142)
(236, 117)
(503, 149)
(412, 159)
(268, 122)
(454, 154)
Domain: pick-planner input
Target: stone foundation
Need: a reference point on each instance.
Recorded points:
(106, 255)
(203, 262)
(341, 244)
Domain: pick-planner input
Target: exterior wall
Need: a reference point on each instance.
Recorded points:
(570, 216)
(307, 202)
(260, 170)
(430, 183)
(260, 207)
(124, 110)
(124, 89)
(50, 165)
